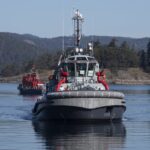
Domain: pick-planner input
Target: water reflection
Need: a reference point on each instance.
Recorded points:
(135, 92)
(31, 98)
(81, 136)
(132, 89)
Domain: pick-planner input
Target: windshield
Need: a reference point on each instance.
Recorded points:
(71, 69)
(91, 68)
(81, 69)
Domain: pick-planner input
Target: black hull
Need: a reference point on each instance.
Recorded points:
(80, 105)
(31, 91)
(76, 113)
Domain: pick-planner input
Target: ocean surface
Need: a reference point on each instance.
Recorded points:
(19, 132)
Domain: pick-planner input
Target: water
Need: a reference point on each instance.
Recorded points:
(18, 132)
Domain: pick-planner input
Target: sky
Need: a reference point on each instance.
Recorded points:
(52, 18)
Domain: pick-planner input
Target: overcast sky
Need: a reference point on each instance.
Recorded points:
(44, 18)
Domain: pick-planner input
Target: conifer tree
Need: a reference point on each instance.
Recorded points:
(125, 45)
(148, 54)
(148, 57)
(112, 43)
(142, 56)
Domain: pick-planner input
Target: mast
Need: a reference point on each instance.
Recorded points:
(78, 20)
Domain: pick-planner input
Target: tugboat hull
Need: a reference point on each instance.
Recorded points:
(75, 113)
(31, 91)
(91, 108)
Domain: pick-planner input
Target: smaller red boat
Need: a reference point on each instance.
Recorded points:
(31, 85)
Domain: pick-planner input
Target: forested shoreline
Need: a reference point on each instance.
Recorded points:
(122, 57)
(19, 53)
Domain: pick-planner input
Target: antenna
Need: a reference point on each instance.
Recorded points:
(63, 25)
(78, 20)
(63, 38)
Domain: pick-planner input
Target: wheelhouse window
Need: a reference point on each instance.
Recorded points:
(71, 69)
(91, 69)
(81, 58)
(91, 58)
(64, 67)
(71, 58)
(81, 69)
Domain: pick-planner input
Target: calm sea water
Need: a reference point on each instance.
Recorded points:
(18, 132)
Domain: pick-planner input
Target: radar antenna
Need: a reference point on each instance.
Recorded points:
(78, 20)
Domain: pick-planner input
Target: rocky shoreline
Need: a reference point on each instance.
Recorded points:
(132, 76)
(130, 82)
(117, 81)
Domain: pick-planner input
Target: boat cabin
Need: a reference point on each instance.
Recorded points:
(79, 66)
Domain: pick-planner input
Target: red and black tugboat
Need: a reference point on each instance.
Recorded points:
(31, 84)
(78, 89)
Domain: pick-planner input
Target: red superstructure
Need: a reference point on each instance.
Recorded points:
(31, 81)
(31, 85)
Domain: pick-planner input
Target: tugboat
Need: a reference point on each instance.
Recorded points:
(31, 84)
(78, 89)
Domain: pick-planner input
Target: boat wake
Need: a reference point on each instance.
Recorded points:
(14, 106)
(16, 113)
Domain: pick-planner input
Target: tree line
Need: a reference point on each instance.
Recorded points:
(121, 57)
(45, 61)
(109, 56)
(144, 57)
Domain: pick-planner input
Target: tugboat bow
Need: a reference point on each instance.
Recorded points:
(78, 89)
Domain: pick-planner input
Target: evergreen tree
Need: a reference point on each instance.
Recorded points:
(124, 45)
(148, 57)
(96, 44)
(142, 57)
(112, 43)
(148, 54)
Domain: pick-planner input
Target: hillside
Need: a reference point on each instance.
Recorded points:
(16, 50)
(17, 41)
